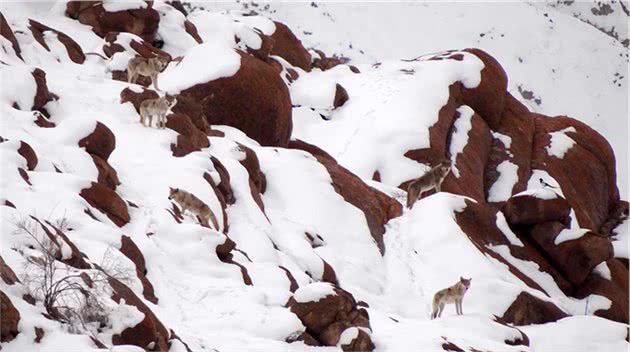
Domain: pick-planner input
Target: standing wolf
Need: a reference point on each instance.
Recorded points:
(188, 201)
(157, 107)
(146, 67)
(431, 180)
(454, 294)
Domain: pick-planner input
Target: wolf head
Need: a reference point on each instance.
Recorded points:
(465, 282)
(160, 62)
(444, 168)
(171, 99)
(172, 192)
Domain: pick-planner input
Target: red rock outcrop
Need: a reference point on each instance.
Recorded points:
(575, 259)
(341, 96)
(527, 309)
(586, 172)
(107, 201)
(531, 210)
(289, 47)
(142, 22)
(42, 95)
(5, 31)
(190, 138)
(75, 53)
(131, 251)
(9, 319)
(107, 175)
(266, 113)
(327, 318)
(149, 332)
(377, 207)
(28, 153)
(100, 142)
(7, 274)
(615, 289)
(488, 98)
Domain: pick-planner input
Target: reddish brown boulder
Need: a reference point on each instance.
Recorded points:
(289, 47)
(190, 138)
(254, 100)
(616, 290)
(478, 221)
(518, 124)
(575, 259)
(327, 318)
(304, 337)
(7, 274)
(377, 207)
(101, 142)
(128, 95)
(192, 30)
(266, 45)
(9, 319)
(75, 53)
(471, 161)
(107, 201)
(187, 105)
(341, 96)
(142, 22)
(149, 331)
(488, 98)
(28, 153)
(42, 95)
(530, 210)
(363, 342)
(586, 172)
(527, 309)
(107, 175)
(5, 31)
(131, 251)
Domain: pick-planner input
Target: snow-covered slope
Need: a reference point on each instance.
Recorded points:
(310, 246)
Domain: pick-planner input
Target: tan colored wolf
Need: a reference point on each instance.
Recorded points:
(431, 180)
(146, 67)
(157, 107)
(454, 294)
(188, 201)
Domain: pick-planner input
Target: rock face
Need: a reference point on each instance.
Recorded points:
(530, 210)
(107, 201)
(5, 31)
(327, 318)
(190, 138)
(149, 332)
(9, 320)
(75, 53)
(289, 47)
(142, 22)
(100, 142)
(528, 309)
(131, 251)
(266, 113)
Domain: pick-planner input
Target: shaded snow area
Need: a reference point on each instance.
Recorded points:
(298, 240)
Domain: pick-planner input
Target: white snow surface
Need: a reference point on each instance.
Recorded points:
(122, 5)
(390, 109)
(313, 292)
(560, 143)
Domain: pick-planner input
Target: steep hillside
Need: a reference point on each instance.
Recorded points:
(270, 213)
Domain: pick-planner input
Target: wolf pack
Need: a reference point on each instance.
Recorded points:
(158, 108)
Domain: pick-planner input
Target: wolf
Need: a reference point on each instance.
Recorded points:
(150, 67)
(431, 180)
(454, 294)
(157, 107)
(187, 201)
